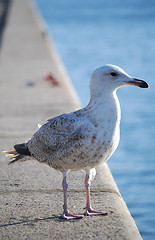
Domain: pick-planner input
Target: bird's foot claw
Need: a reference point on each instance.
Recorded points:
(71, 216)
(91, 212)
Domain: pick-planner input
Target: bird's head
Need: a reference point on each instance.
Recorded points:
(112, 77)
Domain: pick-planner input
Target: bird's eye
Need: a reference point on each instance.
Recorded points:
(113, 74)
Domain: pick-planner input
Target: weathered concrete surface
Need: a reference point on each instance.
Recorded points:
(31, 196)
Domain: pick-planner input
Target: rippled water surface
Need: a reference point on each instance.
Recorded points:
(89, 34)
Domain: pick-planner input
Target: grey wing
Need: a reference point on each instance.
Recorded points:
(59, 135)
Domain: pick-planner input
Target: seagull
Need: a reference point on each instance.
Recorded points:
(83, 139)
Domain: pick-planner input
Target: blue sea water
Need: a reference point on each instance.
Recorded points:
(89, 34)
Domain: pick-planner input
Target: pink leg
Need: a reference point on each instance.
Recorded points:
(89, 210)
(66, 214)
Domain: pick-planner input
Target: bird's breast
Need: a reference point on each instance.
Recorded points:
(106, 137)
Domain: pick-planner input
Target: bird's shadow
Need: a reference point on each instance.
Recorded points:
(31, 222)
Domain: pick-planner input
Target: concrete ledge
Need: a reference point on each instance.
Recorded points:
(31, 195)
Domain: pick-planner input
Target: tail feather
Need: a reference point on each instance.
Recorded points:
(18, 154)
(17, 158)
(12, 154)
(22, 149)
(13, 151)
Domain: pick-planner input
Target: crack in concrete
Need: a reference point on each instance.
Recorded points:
(95, 190)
